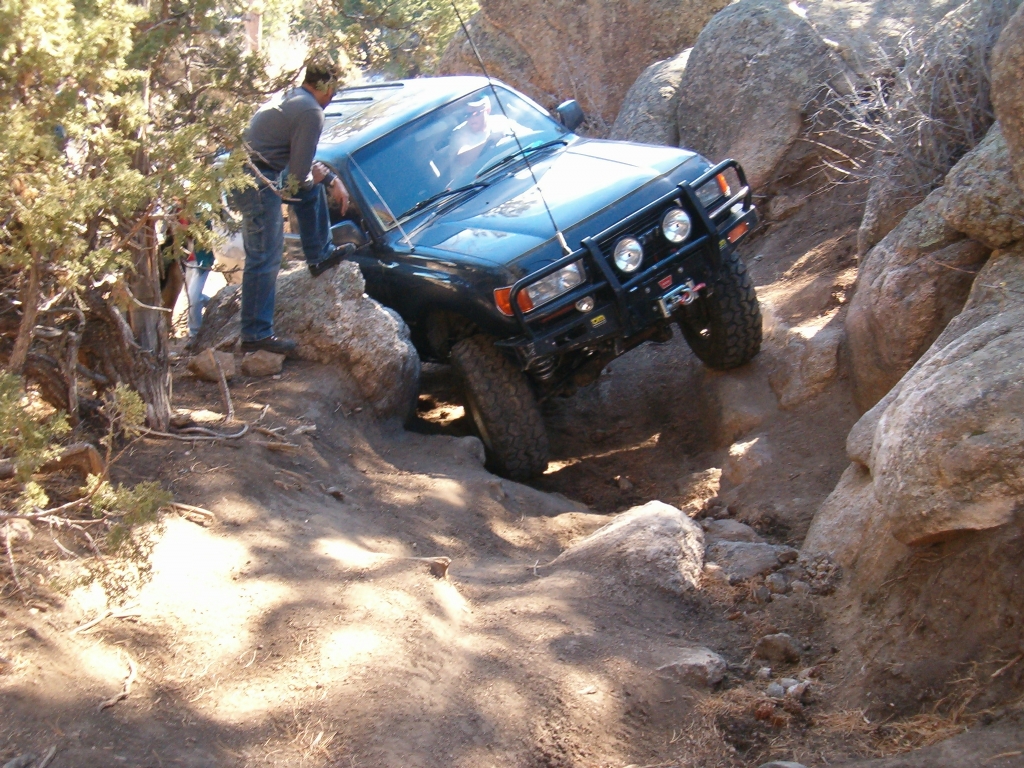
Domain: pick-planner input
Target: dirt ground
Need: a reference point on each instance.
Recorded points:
(310, 624)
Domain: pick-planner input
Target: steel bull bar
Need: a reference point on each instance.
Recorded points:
(717, 223)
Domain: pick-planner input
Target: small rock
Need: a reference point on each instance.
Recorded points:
(623, 482)
(788, 682)
(744, 559)
(799, 692)
(809, 672)
(800, 587)
(764, 673)
(336, 493)
(745, 459)
(262, 363)
(21, 761)
(778, 647)
(777, 584)
(696, 666)
(204, 365)
(715, 574)
(761, 594)
(776, 691)
(788, 555)
(731, 530)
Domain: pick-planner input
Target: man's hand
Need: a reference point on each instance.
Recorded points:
(340, 195)
(319, 171)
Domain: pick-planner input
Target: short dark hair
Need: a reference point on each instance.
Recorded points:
(321, 73)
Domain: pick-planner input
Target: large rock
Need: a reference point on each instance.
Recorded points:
(592, 51)
(654, 545)
(806, 361)
(908, 288)
(694, 666)
(1007, 95)
(948, 454)
(334, 323)
(753, 70)
(743, 560)
(940, 106)
(982, 198)
(648, 114)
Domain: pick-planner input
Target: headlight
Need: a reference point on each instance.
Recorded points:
(543, 291)
(712, 191)
(628, 254)
(676, 225)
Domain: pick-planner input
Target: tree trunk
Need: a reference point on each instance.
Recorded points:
(30, 308)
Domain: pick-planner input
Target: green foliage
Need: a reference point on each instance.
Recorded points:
(130, 506)
(112, 112)
(399, 38)
(26, 438)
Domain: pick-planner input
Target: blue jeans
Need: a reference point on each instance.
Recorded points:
(195, 282)
(263, 238)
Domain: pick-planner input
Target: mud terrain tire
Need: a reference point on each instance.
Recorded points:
(504, 410)
(724, 329)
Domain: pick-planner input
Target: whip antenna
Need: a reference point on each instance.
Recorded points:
(519, 144)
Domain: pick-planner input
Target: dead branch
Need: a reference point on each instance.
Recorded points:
(47, 757)
(225, 392)
(193, 438)
(80, 456)
(999, 672)
(132, 670)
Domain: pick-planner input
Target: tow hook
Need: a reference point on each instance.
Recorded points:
(685, 294)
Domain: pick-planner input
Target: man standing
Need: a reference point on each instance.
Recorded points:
(284, 134)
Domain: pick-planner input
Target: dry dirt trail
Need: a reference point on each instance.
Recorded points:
(309, 626)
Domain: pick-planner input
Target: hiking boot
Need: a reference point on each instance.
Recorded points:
(274, 344)
(338, 255)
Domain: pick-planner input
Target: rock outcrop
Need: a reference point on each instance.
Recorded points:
(591, 51)
(908, 288)
(648, 114)
(334, 323)
(750, 75)
(654, 545)
(939, 106)
(1007, 98)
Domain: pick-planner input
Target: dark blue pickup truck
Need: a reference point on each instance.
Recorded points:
(529, 257)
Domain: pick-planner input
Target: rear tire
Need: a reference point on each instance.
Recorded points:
(500, 401)
(724, 329)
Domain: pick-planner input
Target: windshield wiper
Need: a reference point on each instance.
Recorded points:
(440, 196)
(527, 150)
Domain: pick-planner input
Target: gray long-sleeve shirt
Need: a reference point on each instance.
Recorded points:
(285, 132)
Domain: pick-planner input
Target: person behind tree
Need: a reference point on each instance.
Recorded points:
(282, 135)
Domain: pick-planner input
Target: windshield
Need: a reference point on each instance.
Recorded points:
(446, 149)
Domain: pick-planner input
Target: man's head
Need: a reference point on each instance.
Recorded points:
(321, 79)
(476, 118)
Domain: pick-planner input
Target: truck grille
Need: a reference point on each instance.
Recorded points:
(647, 230)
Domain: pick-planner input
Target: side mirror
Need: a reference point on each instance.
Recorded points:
(348, 232)
(570, 114)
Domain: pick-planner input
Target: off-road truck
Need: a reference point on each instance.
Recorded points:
(529, 257)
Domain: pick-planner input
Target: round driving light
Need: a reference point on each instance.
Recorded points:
(628, 254)
(585, 304)
(675, 224)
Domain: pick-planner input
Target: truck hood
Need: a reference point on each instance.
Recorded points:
(509, 218)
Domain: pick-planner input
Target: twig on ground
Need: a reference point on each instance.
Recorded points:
(47, 758)
(225, 392)
(187, 509)
(132, 669)
(195, 438)
(103, 616)
(999, 672)
(270, 432)
(281, 446)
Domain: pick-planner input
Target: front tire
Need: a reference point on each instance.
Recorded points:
(499, 399)
(724, 329)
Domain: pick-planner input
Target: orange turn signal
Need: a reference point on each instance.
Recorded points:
(502, 297)
(723, 184)
(738, 231)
